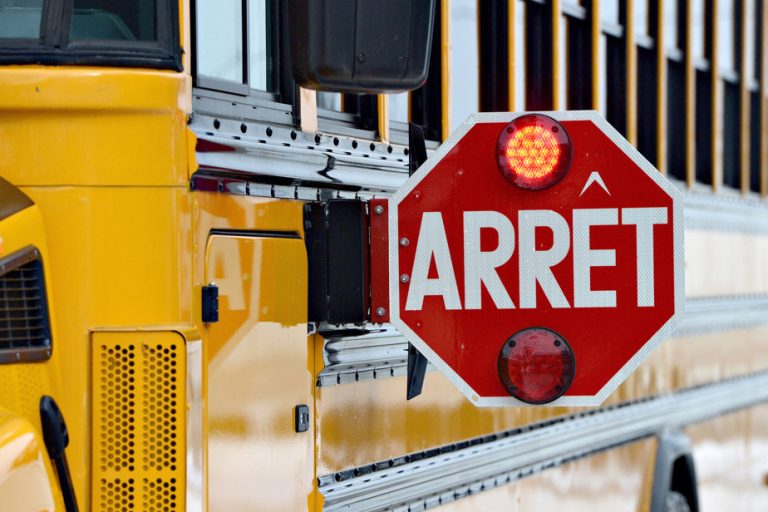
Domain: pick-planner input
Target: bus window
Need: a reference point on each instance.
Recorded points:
(753, 66)
(114, 20)
(670, 25)
(641, 21)
(464, 94)
(224, 62)
(259, 51)
(398, 107)
(729, 25)
(520, 53)
(20, 19)
(674, 33)
(329, 101)
(220, 40)
(141, 33)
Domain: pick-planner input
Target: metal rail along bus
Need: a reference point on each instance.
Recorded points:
(184, 206)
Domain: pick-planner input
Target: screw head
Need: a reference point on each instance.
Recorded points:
(378, 210)
(380, 311)
(404, 278)
(404, 242)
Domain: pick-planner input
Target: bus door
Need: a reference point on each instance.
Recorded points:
(259, 371)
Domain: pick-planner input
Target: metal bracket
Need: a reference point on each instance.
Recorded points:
(417, 363)
(210, 303)
(301, 417)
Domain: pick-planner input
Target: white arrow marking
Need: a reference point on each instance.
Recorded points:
(595, 178)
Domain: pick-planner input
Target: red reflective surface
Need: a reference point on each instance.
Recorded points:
(536, 365)
(534, 152)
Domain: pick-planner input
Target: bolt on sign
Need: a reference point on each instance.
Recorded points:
(536, 258)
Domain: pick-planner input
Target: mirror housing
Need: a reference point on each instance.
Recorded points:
(360, 46)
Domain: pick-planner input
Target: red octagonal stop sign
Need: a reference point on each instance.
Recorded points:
(592, 264)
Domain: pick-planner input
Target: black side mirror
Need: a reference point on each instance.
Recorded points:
(360, 46)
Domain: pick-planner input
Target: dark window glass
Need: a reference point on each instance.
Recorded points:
(115, 20)
(132, 33)
(20, 19)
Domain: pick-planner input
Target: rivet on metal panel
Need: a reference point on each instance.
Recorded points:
(380, 311)
(378, 210)
(404, 242)
(404, 278)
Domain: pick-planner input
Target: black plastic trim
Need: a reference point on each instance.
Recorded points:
(53, 47)
(12, 355)
(249, 233)
(56, 440)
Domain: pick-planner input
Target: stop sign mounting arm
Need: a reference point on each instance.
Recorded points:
(417, 363)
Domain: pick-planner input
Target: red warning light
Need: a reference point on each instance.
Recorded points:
(534, 152)
(536, 365)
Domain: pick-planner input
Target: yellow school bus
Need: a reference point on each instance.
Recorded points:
(184, 318)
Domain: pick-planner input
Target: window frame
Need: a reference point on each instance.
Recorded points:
(282, 86)
(53, 46)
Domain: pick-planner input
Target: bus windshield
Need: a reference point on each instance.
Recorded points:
(112, 32)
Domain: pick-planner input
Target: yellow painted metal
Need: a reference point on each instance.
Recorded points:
(445, 67)
(111, 270)
(114, 117)
(26, 480)
(382, 102)
(283, 293)
(661, 92)
(138, 412)
(260, 366)
(103, 153)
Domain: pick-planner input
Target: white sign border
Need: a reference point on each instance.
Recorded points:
(679, 258)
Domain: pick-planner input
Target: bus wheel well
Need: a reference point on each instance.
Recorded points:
(684, 480)
(674, 471)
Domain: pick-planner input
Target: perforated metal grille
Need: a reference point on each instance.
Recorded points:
(24, 327)
(118, 495)
(161, 401)
(118, 407)
(160, 495)
(138, 421)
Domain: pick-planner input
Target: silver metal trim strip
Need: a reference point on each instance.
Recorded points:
(272, 149)
(445, 477)
(383, 352)
(195, 454)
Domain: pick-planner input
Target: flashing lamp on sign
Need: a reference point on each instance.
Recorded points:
(536, 365)
(534, 152)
